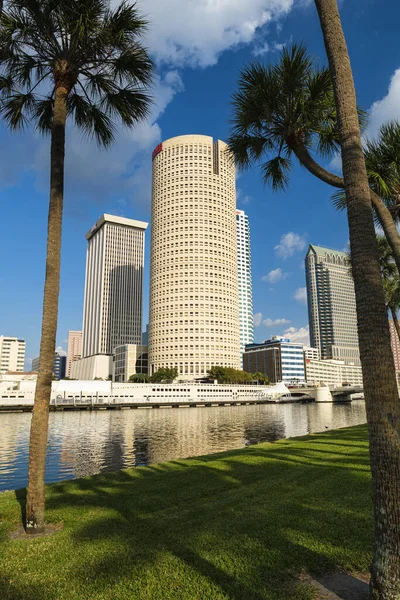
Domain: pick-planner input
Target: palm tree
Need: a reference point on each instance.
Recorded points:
(390, 280)
(285, 111)
(381, 393)
(382, 159)
(76, 59)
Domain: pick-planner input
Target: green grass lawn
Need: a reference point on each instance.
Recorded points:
(240, 525)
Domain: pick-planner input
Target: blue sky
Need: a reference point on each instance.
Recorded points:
(199, 47)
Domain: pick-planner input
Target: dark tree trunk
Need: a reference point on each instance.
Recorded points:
(381, 395)
(40, 417)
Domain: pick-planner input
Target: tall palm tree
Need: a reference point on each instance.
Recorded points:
(285, 111)
(381, 393)
(74, 59)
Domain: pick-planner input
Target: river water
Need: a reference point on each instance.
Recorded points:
(85, 443)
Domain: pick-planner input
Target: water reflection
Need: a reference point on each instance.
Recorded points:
(85, 443)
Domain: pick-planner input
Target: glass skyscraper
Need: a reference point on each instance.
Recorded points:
(331, 304)
(114, 285)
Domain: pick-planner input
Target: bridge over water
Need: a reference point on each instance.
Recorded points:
(327, 394)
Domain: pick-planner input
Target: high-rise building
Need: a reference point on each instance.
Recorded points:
(278, 358)
(331, 305)
(128, 360)
(12, 354)
(59, 365)
(112, 313)
(395, 342)
(74, 349)
(244, 279)
(194, 314)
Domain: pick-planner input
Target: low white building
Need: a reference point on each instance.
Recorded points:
(12, 354)
(129, 359)
(312, 353)
(98, 366)
(332, 372)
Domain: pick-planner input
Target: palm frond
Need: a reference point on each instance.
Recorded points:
(44, 114)
(339, 200)
(129, 104)
(16, 109)
(91, 120)
(276, 172)
(83, 45)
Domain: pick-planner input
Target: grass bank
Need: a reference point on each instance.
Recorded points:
(238, 525)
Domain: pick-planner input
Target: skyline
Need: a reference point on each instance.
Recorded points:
(117, 181)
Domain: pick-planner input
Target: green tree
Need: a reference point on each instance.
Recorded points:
(380, 387)
(260, 377)
(138, 378)
(229, 375)
(287, 110)
(74, 59)
(164, 374)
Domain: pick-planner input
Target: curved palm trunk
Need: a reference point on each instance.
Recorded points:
(381, 395)
(40, 417)
(395, 321)
(383, 213)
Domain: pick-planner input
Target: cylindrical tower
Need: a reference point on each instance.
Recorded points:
(194, 308)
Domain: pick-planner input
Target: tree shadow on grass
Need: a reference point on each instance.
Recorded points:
(234, 526)
(12, 590)
(21, 499)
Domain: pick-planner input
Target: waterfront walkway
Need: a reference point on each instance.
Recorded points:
(249, 524)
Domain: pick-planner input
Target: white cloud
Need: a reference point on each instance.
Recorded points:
(274, 276)
(386, 109)
(289, 244)
(195, 32)
(60, 350)
(181, 33)
(275, 323)
(335, 164)
(242, 198)
(257, 318)
(301, 295)
(260, 50)
(301, 335)
(125, 167)
(380, 112)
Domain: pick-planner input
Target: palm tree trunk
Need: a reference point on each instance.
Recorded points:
(395, 321)
(40, 417)
(381, 395)
(383, 213)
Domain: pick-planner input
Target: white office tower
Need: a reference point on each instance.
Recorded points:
(74, 349)
(331, 305)
(245, 282)
(112, 313)
(194, 315)
(12, 354)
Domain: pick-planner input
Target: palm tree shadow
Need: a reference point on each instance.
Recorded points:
(20, 496)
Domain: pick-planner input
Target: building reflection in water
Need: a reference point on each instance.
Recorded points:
(86, 443)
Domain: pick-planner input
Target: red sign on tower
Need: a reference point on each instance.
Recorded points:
(156, 151)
